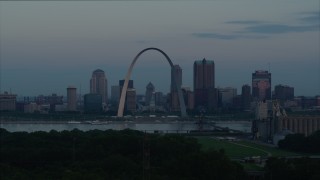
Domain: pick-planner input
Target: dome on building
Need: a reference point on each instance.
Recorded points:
(150, 86)
(98, 71)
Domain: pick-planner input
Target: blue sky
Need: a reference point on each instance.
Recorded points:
(47, 46)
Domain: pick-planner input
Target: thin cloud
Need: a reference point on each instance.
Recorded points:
(310, 13)
(279, 28)
(255, 29)
(245, 22)
(311, 17)
(226, 36)
(216, 36)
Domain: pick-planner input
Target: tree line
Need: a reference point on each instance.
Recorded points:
(130, 154)
(301, 143)
(110, 154)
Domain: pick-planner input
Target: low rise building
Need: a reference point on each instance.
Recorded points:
(7, 102)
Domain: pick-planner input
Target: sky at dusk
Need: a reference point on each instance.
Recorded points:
(47, 46)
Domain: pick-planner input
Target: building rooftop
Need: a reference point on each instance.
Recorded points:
(204, 61)
(98, 71)
(150, 86)
(261, 72)
(71, 87)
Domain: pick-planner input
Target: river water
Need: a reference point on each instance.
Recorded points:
(172, 127)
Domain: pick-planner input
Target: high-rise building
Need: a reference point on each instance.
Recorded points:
(283, 93)
(149, 91)
(203, 82)
(131, 100)
(121, 83)
(152, 104)
(226, 96)
(261, 85)
(99, 85)
(130, 84)
(72, 98)
(115, 95)
(246, 96)
(159, 100)
(176, 75)
(188, 98)
(92, 103)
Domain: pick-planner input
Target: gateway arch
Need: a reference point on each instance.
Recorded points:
(125, 85)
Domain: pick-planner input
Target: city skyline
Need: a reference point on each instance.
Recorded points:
(43, 52)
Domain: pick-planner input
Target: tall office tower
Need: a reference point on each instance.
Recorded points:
(152, 105)
(149, 92)
(261, 85)
(246, 96)
(283, 92)
(92, 103)
(121, 83)
(99, 85)
(188, 98)
(131, 100)
(226, 96)
(176, 75)
(130, 84)
(115, 95)
(159, 100)
(72, 98)
(204, 84)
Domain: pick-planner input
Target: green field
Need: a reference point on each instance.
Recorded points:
(241, 149)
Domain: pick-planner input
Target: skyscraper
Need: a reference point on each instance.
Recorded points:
(72, 98)
(92, 103)
(226, 96)
(246, 96)
(99, 85)
(149, 91)
(203, 82)
(121, 83)
(176, 75)
(283, 92)
(115, 95)
(261, 85)
(188, 97)
(130, 102)
(159, 100)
